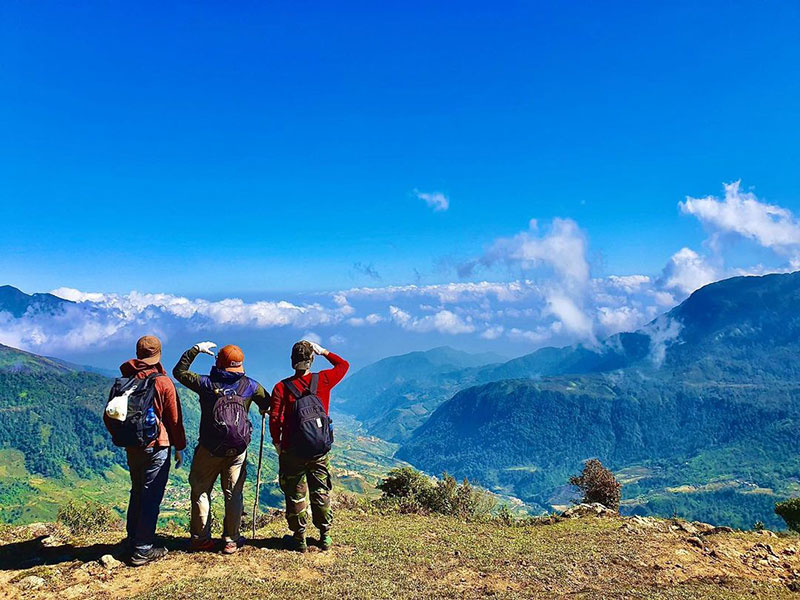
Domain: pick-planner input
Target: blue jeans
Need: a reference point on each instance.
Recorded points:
(149, 469)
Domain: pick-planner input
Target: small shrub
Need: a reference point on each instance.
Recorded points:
(789, 511)
(348, 501)
(87, 517)
(505, 516)
(409, 491)
(758, 526)
(404, 482)
(598, 484)
(464, 501)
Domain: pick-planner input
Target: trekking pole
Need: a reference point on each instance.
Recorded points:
(258, 473)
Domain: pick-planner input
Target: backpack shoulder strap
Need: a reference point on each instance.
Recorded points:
(292, 388)
(244, 385)
(314, 383)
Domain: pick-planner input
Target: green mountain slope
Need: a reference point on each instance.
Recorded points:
(710, 433)
(396, 395)
(393, 396)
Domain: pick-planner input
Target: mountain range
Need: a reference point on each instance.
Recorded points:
(17, 302)
(698, 412)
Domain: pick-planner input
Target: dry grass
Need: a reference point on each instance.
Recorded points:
(410, 556)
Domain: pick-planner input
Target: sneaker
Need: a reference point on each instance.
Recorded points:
(298, 543)
(233, 547)
(139, 559)
(325, 541)
(201, 545)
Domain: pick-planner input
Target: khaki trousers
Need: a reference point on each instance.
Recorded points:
(232, 472)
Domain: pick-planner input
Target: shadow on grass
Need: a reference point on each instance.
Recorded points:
(32, 552)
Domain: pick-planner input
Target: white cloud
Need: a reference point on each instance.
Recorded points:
(435, 200)
(572, 316)
(628, 283)
(312, 337)
(617, 319)
(743, 214)
(538, 337)
(687, 271)
(443, 321)
(663, 332)
(449, 293)
(562, 250)
(492, 333)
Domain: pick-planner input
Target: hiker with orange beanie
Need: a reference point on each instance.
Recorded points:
(225, 398)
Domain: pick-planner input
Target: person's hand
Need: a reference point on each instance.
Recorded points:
(318, 349)
(206, 347)
(178, 458)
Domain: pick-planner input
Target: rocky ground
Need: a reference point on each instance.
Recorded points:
(589, 554)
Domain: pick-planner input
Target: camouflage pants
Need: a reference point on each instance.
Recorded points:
(297, 476)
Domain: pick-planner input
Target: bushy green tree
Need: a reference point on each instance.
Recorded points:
(404, 482)
(598, 484)
(789, 511)
(411, 491)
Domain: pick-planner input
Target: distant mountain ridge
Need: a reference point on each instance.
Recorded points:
(708, 429)
(395, 395)
(17, 302)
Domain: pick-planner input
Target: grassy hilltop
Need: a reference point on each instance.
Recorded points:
(411, 556)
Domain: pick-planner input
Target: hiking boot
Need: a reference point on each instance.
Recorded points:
(325, 541)
(298, 543)
(199, 545)
(139, 559)
(233, 547)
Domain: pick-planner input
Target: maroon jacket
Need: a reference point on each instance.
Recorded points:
(166, 404)
(282, 400)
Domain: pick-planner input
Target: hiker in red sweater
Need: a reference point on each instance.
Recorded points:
(302, 434)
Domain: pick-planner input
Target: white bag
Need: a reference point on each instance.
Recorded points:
(117, 407)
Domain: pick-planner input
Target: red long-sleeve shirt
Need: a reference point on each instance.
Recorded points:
(281, 400)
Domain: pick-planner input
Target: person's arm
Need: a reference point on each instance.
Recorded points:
(339, 370)
(181, 371)
(171, 414)
(261, 399)
(276, 415)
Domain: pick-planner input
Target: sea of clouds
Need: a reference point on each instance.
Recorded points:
(558, 301)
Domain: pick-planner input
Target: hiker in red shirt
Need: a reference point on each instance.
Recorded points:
(302, 434)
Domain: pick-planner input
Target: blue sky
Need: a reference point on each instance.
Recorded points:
(261, 149)
(207, 135)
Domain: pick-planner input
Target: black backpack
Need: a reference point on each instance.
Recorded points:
(231, 426)
(310, 425)
(141, 425)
